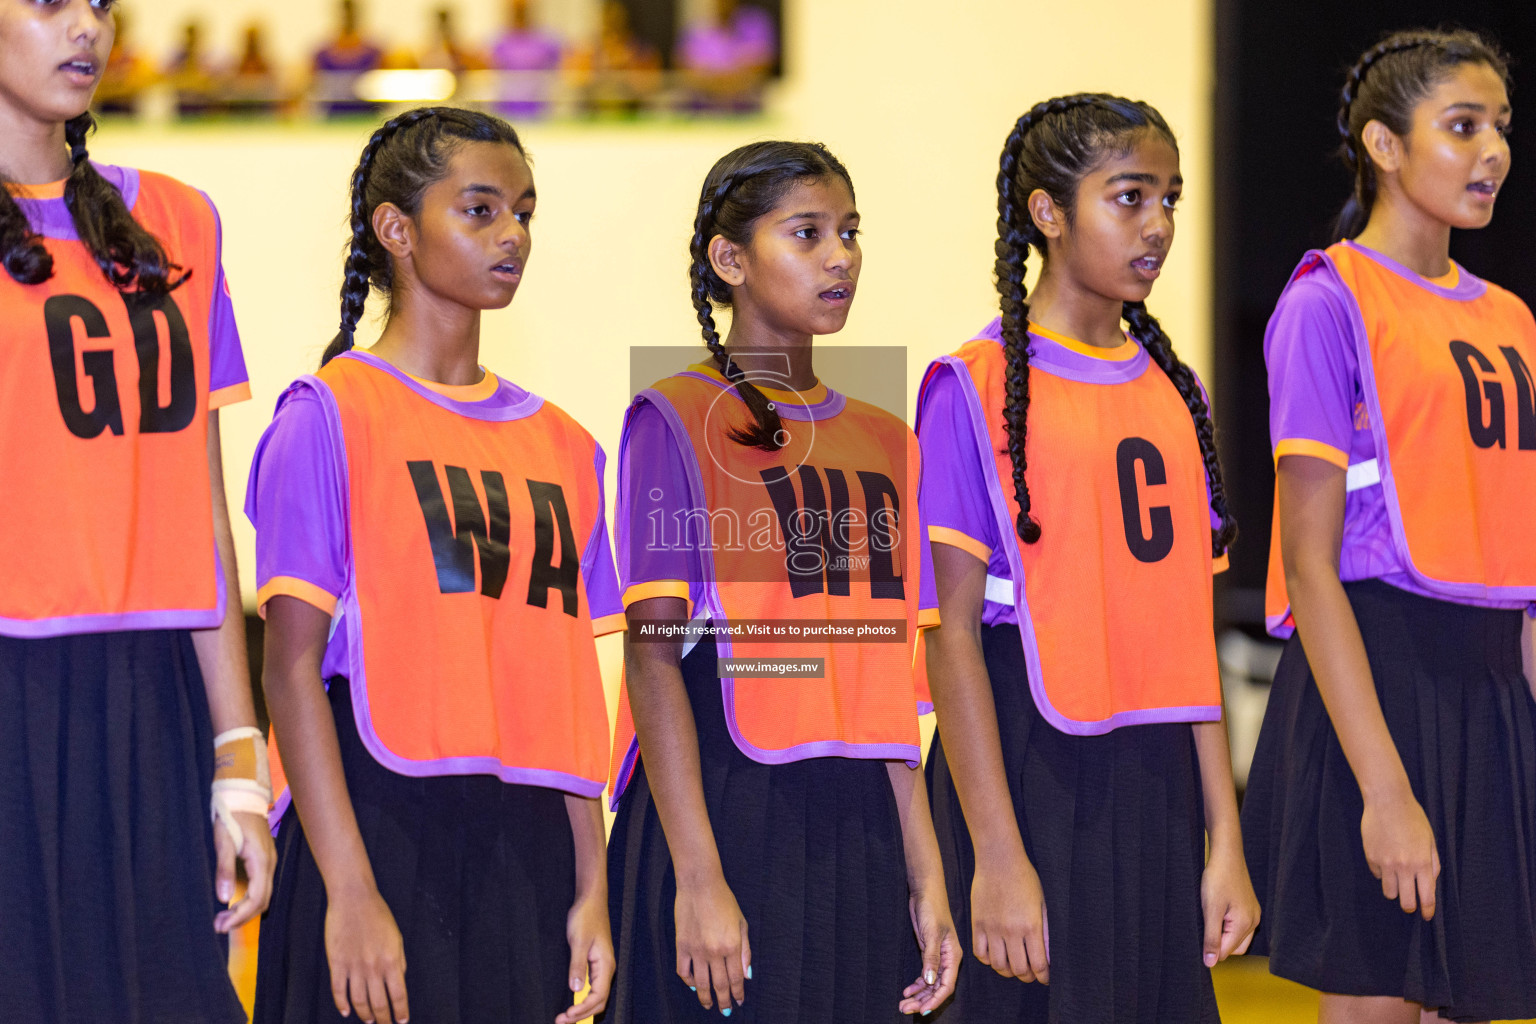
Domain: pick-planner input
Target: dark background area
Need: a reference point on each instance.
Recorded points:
(1280, 67)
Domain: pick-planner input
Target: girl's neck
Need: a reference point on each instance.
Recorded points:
(433, 341)
(1401, 231)
(1063, 305)
(754, 346)
(34, 152)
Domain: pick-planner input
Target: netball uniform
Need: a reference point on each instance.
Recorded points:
(1100, 652)
(109, 558)
(456, 536)
(1422, 392)
(822, 533)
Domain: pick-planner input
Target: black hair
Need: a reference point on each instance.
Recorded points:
(1385, 84)
(1051, 148)
(406, 155)
(128, 255)
(743, 185)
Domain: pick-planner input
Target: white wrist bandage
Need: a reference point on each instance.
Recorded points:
(242, 780)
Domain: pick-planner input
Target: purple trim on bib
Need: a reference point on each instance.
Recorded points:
(710, 606)
(350, 615)
(518, 404)
(1198, 713)
(1445, 589)
(1467, 286)
(1060, 361)
(50, 217)
(115, 622)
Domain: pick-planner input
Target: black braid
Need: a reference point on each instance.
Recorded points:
(128, 256)
(743, 186)
(1389, 96)
(1016, 232)
(22, 251)
(412, 167)
(1146, 329)
(707, 289)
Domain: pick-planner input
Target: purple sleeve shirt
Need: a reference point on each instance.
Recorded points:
(228, 381)
(955, 499)
(297, 501)
(1317, 408)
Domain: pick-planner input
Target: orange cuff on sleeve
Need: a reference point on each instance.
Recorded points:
(927, 618)
(656, 588)
(956, 539)
(1317, 449)
(1221, 564)
(229, 396)
(292, 586)
(614, 623)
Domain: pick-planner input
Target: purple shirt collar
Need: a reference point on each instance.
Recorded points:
(50, 217)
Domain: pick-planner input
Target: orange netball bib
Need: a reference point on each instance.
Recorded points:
(819, 535)
(104, 451)
(475, 652)
(1114, 601)
(1452, 403)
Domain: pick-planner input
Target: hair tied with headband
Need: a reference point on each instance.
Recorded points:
(741, 187)
(403, 158)
(1051, 148)
(1384, 85)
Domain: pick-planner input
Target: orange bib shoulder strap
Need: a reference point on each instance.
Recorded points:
(1114, 601)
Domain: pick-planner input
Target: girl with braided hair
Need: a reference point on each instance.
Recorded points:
(433, 566)
(1390, 816)
(133, 766)
(773, 857)
(1081, 770)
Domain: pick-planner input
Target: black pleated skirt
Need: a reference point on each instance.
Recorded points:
(106, 844)
(478, 873)
(812, 851)
(1457, 705)
(1115, 828)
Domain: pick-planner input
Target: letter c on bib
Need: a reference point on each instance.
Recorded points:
(1156, 547)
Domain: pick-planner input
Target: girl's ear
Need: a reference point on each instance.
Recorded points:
(394, 230)
(1383, 146)
(1048, 217)
(725, 258)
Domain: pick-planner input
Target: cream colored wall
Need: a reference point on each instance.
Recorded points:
(917, 104)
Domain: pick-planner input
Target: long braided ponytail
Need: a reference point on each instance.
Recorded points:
(1051, 148)
(744, 185)
(1384, 85)
(405, 156)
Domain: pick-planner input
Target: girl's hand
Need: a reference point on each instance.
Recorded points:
(712, 948)
(1231, 908)
(259, 855)
(935, 930)
(1400, 849)
(592, 961)
(367, 958)
(1009, 930)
